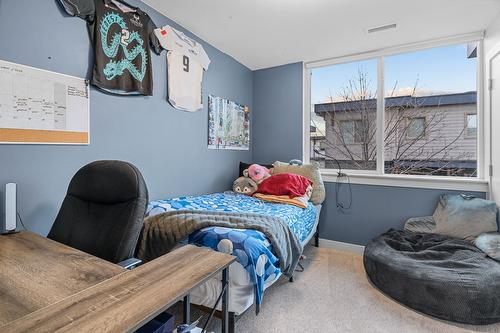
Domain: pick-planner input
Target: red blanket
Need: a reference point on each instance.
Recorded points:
(285, 184)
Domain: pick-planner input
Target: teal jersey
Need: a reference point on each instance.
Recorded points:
(123, 37)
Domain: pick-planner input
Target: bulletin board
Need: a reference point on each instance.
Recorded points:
(42, 107)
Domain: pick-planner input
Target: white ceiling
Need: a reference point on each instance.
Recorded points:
(266, 33)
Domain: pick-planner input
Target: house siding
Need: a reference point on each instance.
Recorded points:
(445, 126)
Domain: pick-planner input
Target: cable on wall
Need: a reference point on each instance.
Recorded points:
(21, 220)
(342, 178)
(338, 183)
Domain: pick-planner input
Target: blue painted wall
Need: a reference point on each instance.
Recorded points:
(374, 210)
(168, 146)
(277, 123)
(278, 100)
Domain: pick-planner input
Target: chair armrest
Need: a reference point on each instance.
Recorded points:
(130, 263)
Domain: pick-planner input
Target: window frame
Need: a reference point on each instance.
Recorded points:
(378, 177)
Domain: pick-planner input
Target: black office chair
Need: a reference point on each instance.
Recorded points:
(103, 211)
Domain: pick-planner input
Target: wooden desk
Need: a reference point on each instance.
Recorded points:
(36, 272)
(63, 289)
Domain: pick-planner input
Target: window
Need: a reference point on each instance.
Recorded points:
(344, 112)
(418, 129)
(433, 88)
(351, 131)
(415, 128)
(471, 125)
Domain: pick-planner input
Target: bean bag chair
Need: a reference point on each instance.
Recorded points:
(442, 276)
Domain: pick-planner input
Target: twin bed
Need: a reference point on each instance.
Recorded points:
(258, 254)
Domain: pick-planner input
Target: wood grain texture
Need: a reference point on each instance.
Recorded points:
(36, 272)
(126, 301)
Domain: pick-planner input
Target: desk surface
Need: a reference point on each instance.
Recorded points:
(36, 272)
(115, 300)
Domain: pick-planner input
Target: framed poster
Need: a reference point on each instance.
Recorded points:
(228, 124)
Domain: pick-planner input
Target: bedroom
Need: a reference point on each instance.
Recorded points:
(322, 82)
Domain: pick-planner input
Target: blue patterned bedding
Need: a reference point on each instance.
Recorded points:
(251, 247)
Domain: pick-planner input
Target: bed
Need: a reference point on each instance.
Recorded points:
(256, 267)
(260, 257)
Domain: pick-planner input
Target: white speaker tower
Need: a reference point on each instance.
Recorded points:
(9, 224)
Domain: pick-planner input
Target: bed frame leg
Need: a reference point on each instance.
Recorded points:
(316, 238)
(231, 322)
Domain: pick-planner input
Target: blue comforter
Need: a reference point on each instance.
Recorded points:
(252, 249)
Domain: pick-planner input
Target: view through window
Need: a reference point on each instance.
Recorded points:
(344, 117)
(430, 115)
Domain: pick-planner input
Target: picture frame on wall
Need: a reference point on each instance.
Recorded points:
(228, 124)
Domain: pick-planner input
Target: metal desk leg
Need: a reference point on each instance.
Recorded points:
(225, 301)
(187, 309)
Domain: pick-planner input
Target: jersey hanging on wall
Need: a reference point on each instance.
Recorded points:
(122, 36)
(186, 60)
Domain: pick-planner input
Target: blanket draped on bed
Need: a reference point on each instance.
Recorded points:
(163, 231)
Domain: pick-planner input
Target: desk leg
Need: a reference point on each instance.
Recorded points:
(187, 309)
(225, 301)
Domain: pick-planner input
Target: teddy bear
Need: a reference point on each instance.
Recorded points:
(245, 185)
(257, 173)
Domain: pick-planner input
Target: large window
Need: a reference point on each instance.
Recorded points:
(413, 113)
(345, 113)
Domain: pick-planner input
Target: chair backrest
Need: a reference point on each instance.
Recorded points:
(103, 211)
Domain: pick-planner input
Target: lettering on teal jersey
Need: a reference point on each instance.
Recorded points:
(123, 38)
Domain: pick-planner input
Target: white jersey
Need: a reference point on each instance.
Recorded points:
(186, 62)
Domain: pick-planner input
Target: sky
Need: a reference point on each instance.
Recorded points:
(438, 70)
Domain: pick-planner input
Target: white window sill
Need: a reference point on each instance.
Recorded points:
(429, 182)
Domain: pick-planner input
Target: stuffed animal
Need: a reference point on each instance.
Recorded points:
(257, 172)
(245, 185)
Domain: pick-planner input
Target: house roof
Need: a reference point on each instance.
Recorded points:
(469, 97)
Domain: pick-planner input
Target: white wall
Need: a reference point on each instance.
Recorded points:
(492, 37)
(491, 48)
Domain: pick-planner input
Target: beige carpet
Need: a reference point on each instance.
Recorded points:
(334, 295)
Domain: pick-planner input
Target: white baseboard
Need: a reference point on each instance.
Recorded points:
(348, 247)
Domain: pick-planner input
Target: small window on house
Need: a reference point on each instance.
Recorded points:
(416, 128)
(351, 131)
(471, 125)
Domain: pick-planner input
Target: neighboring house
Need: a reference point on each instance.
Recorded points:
(317, 145)
(425, 134)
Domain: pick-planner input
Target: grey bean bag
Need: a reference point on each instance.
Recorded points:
(442, 276)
